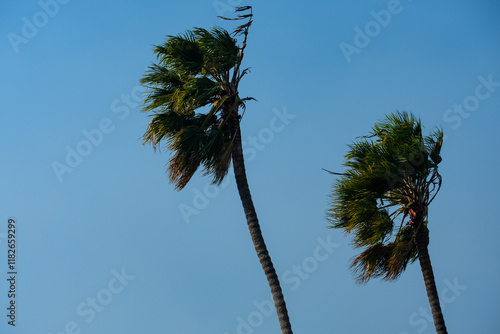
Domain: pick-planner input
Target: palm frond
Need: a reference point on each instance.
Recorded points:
(434, 142)
(371, 262)
(181, 53)
(219, 49)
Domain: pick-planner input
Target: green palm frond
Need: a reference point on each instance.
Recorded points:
(404, 251)
(433, 145)
(219, 49)
(371, 262)
(218, 154)
(387, 261)
(182, 53)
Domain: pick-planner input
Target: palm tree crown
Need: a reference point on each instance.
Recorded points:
(383, 198)
(395, 176)
(198, 69)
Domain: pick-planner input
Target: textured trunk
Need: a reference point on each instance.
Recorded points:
(430, 284)
(255, 232)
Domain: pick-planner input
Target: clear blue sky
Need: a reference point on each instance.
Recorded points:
(104, 243)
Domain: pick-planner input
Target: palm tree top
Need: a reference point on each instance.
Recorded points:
(391, 178)
(200, 68)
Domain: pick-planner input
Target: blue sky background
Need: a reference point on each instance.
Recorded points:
(115, 213)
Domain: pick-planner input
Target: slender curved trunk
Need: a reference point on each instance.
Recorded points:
(430, 283)
(254, 227)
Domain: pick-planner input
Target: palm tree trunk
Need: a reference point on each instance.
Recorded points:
(422, 240)
(254, 227)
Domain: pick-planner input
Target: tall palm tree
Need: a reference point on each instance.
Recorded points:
(196, 109)
(383, 196)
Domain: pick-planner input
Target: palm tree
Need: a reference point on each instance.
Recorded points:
(383, 197)
(195, 104)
